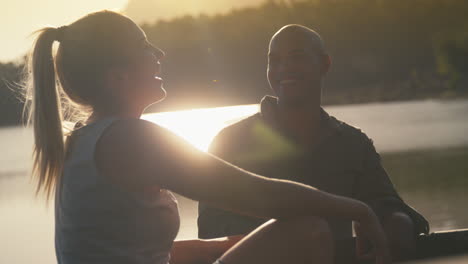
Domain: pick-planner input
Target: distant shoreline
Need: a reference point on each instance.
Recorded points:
(370, 102)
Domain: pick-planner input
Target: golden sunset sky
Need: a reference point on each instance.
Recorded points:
(21, 17)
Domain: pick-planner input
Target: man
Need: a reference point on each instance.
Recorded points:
(294, 138)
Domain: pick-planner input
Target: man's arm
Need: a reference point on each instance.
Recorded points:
(373, 186)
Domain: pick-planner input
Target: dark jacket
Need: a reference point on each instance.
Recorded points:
(344, 162)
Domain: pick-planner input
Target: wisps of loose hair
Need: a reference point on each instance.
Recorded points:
(63, 87)
(50, 112)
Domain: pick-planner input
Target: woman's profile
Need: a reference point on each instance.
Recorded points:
(112, 175)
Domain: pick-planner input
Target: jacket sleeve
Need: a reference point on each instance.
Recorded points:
(374, 187)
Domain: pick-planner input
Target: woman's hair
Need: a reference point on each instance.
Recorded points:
(69, 85)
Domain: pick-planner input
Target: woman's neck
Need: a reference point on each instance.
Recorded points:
(117, 113)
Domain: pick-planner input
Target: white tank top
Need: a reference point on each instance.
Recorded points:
(98, 222)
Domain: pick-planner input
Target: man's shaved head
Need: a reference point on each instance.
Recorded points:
(297, 64)
(300, 33)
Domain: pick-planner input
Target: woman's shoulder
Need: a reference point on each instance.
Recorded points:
(128, 133)
(133, 147)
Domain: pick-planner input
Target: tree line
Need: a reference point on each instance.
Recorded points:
(382, 50)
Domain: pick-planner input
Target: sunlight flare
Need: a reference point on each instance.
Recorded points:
(200, 126)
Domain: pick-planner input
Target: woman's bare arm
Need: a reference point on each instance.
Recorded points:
(135, 154)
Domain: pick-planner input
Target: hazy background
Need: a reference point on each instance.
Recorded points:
(21, 17)
(382, 50)
(400, 72)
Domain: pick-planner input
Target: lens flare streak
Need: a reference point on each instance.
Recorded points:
(200, 126)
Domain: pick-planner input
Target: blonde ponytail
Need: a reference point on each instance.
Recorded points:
(65, 89)
(45, 113)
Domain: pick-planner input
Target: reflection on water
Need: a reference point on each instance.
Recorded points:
(410, 125)
(432, 180)
(449, 260)
(435, 182)
(444, 209)
(393, 126)
(26, 227)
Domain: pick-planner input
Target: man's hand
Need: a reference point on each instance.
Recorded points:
(371, 241)
(363, 246)
(400, 234)
(399, 230)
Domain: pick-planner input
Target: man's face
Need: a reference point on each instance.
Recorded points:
(296, 68)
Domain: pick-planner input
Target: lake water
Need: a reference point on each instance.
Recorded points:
(421, 127)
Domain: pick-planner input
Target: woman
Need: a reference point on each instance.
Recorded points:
(110, 179)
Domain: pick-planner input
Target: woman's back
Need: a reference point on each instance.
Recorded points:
(99, 222)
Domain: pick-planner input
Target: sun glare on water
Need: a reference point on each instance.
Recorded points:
(200, 126)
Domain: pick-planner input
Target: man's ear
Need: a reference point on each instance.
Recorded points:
(326, 64)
